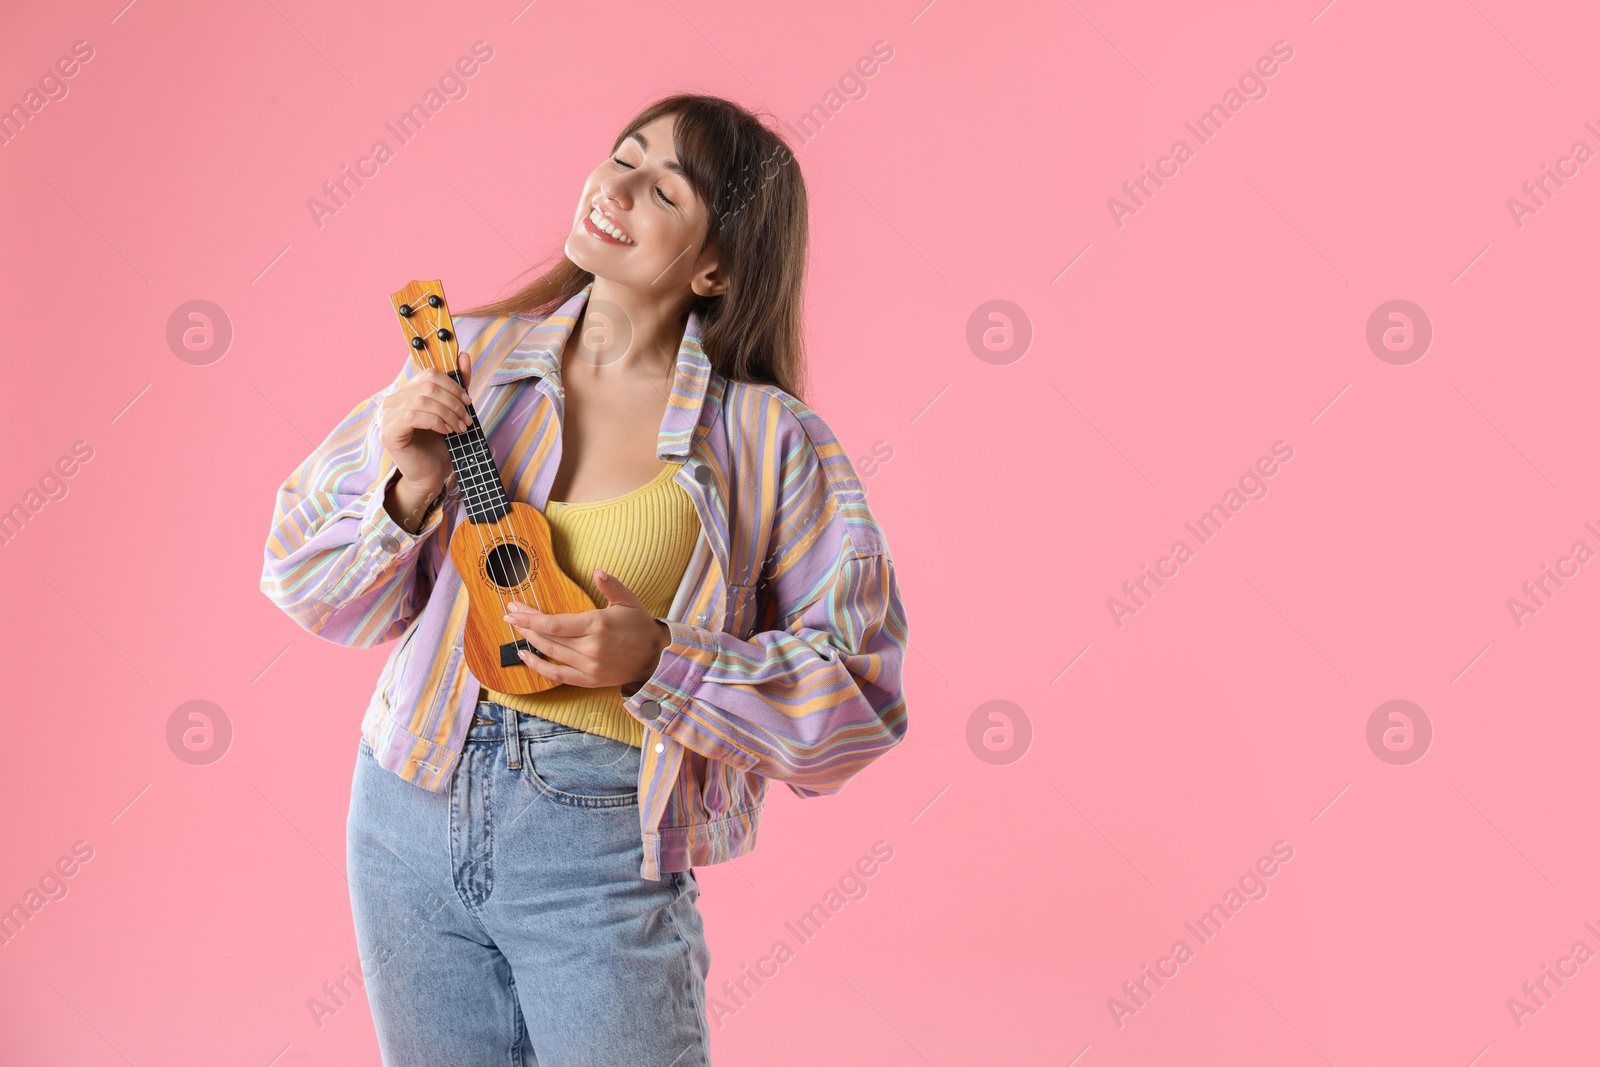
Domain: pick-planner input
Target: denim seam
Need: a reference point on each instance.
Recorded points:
(574, 800)
(455, 826)
(519, 1027)
(680, 880)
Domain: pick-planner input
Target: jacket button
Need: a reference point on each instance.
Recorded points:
(389, 543)
(650, 709)
(702, 475)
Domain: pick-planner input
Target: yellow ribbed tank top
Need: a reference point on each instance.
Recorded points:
(644, 539)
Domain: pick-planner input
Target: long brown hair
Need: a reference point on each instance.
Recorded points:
(747, 175)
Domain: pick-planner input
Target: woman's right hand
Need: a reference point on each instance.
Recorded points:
(415, 419)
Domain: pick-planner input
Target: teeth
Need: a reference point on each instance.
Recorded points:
(603, 223)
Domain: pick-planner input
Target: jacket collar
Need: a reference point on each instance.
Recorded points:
(538, 354)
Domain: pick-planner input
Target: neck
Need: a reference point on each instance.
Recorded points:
(623, 331)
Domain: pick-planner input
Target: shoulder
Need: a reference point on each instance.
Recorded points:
(810, 461)
(491, 338)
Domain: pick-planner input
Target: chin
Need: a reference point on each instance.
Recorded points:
(576, 252)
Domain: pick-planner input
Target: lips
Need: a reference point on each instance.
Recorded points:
(589, 221)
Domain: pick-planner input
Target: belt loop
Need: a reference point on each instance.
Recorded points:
(511, 729)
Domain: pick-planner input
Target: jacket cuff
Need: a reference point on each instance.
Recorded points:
(384, 543)
(660, 699)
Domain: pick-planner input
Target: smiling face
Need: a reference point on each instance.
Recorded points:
(639, 223)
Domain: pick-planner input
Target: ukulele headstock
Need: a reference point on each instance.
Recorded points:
(425, 317)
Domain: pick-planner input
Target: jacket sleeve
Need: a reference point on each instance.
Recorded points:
(335, 561)
(818, 696)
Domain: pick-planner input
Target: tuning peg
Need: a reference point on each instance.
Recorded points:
(444, 335)
(417, 342)
(405, 311)
(433, 300)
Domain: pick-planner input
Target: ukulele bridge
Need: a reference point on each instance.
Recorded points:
(509, 650)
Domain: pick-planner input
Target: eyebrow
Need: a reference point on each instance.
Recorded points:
(671, 164)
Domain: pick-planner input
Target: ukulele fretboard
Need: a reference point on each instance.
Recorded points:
(481, 492)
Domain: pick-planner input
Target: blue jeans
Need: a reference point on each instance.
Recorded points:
(505, 922)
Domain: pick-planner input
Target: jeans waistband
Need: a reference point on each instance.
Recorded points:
(496, 722)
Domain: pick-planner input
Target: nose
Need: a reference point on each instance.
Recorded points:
(610, 189)
(616, 188)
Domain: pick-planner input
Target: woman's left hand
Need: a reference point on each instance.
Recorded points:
(618, 644)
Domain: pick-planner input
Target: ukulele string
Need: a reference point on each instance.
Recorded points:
(504, 532)
(483, 542)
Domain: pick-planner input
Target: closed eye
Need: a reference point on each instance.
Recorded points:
(659, 193)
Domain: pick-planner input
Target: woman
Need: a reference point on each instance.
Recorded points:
(522, 867)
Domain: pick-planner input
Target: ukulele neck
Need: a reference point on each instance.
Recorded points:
(482, 494)
(431, 333)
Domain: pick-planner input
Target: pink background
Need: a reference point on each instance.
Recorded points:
(1229, 313)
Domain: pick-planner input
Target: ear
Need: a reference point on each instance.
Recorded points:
(708, 278)
(709, 282)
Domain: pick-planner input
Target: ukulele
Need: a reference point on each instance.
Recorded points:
(503, 550)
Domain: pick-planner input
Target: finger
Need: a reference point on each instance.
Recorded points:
(448, 393)
(427, 410)
(615, 591)
(561, 650)
(464, 367)
(561, 625)
(557, 672)
(428, 420)
(534, 663)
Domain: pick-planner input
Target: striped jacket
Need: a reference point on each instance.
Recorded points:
(788, 634)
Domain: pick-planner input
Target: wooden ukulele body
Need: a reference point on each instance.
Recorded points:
(510, 559)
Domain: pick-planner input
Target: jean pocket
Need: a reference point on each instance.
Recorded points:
(583, 770)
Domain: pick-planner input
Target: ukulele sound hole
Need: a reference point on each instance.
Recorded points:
(508, 565)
